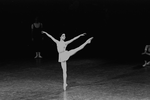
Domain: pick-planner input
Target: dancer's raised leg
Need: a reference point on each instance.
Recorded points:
(73, 51)
(64, 68)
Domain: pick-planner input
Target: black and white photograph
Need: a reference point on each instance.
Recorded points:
(75, 50)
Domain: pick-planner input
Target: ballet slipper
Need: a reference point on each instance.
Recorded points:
(89, 40)
(65, 86)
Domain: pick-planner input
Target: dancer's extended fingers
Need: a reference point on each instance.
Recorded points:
(83, 34)
(43, 32)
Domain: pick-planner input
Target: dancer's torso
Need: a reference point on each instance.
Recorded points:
(61, 47)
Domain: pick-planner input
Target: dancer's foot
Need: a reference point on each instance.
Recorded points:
(148, 63)
(89, 40)
(36, 56)
(145, 64)
(40, 56)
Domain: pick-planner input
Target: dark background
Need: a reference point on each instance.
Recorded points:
(120, 28)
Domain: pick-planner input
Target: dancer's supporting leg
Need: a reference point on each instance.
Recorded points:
(64, 68)
(73, 51)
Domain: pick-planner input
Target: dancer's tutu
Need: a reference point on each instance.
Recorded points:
(64, 56)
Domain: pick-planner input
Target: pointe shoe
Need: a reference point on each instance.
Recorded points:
(65, 86)
(89, 40)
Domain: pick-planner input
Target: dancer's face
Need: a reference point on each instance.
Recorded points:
(63, 37)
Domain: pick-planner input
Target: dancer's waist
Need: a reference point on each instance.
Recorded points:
(61, 51)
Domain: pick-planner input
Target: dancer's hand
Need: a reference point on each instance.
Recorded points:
(83, 34)
(43, 32)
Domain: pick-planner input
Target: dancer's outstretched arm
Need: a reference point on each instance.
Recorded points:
(56, 41)
(69, 41)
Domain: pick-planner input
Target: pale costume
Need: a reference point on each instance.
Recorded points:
(63, 56)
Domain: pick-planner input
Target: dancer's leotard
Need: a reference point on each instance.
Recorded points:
(63, 53)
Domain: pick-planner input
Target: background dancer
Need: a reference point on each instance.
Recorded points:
(36, 28)
(64, 54)
(147, 55)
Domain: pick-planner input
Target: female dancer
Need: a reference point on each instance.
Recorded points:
(65, 54)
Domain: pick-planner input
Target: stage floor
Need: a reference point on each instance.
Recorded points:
(88, 79)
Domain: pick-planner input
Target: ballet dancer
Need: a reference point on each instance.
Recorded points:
(64, 54)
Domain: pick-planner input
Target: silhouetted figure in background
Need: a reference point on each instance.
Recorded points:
(64, 54)
(37, 37)
(147, 53)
